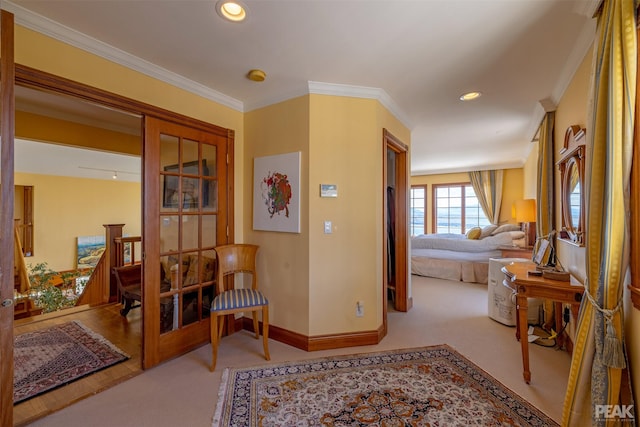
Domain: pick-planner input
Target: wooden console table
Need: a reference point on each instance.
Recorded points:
(529, 286)
(516, 252)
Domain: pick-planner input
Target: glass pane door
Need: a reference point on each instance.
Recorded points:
(186, 170)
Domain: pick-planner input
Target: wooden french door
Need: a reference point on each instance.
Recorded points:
(186, 201)
(7, 113)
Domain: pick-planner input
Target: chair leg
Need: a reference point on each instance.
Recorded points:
(221, 327)
(265, 331)
(255, 324)
(214, 341)
(128, 302)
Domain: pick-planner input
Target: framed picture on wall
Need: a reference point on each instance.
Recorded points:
(276, 193)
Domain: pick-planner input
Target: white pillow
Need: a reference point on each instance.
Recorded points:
(486, 231)
(505, 227)
(515, 235)
(521, 243)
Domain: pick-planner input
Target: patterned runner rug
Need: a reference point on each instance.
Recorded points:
(50, 358)
(431, 386)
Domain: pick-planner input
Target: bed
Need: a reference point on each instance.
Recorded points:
(459, 256)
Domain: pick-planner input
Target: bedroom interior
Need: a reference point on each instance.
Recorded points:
(467, 276)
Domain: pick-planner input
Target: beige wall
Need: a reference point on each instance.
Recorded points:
(511, 191)
(65, 208)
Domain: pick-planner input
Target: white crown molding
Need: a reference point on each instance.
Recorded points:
(46, 26)
(50, 28)
(361, 92)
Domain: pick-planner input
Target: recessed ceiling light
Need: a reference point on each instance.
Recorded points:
(469, 96)
(232, 10)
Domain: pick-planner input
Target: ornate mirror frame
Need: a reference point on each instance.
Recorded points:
(572, 200)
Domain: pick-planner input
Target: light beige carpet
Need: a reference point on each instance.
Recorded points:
(183, 392)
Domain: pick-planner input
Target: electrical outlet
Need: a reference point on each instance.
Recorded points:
(359, 309)
(566, 316)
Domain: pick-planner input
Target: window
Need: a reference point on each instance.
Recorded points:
(417, 208)
(456, 209)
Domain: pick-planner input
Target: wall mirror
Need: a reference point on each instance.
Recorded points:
(571, 165)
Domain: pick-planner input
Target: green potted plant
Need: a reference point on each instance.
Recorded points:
(44, 291)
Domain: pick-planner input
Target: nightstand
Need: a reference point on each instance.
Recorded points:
(516, 252)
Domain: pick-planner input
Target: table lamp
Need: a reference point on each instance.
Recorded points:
(525, 212)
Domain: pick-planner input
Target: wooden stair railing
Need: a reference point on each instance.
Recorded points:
(122, 245)
(96, 291)
(100, 288)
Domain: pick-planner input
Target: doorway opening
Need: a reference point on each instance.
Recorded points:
(395, 258)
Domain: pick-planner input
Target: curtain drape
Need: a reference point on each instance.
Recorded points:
(545, 195)
(488, 188)
(598, 357)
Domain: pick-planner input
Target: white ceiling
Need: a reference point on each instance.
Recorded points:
(416, 57)
(51, 159)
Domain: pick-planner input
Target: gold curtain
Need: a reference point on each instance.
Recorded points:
(598, 355)
(488, 188)
(545, 196)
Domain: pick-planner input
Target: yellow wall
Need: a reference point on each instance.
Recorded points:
(40, 128)
(283, 257)
(65, 208)
(347, 151)
(572, 110)
(340, 140)
(530, 173)
(511, 191)
(43, 53)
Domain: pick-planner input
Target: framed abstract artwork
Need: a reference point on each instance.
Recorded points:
(276, 193)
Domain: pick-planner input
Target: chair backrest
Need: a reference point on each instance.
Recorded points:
(236, 258)
(128, 275)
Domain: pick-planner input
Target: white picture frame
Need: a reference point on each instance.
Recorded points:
(276, 193)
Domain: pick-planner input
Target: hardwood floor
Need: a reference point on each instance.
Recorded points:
(125, 333)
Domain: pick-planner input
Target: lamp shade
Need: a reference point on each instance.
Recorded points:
(525, 210)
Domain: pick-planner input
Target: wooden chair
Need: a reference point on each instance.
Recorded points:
(129, 279)
(232, 259)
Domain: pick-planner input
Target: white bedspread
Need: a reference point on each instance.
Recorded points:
(458, 242)
(456, 255)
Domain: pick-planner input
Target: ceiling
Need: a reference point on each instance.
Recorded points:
(416, 57)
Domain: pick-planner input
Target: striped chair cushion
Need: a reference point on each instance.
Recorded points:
(237, 298)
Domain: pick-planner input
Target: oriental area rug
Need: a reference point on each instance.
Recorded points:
(430, 386)
(50, 358)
